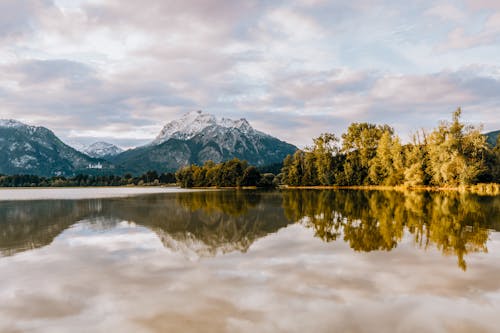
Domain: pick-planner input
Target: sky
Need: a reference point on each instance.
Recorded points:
(118, 71)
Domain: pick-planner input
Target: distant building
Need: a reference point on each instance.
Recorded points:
(95, 166)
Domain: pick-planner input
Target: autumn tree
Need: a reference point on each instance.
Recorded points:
(457, 153)
(359, 145)
(325, 151)
(387, 167)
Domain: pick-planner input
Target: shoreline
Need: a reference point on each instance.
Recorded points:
(492, 189)
(485, 189)
(82, 193)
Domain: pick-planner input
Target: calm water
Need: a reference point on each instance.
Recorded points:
(297, 261)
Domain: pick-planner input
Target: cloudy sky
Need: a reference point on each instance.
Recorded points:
(119, 70)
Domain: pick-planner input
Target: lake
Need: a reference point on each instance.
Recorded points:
(248, 261)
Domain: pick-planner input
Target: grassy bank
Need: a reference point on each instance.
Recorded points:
(481, 189)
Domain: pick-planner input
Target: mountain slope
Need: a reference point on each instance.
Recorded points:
(36, 150)
(194, 122)
(492, 137)
(198, 137)
(102, 150)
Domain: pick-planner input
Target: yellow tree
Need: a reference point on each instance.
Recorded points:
(387, 167)
(457, 154)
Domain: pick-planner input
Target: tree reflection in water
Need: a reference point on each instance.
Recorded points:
(455, 223)
(207, 223)
(214, 222)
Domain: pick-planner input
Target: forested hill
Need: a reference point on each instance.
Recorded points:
(492, 137)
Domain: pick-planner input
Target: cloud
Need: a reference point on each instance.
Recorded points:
(483, 31)
(483, 4)
(117, 70)
(446, 11)
(18, 18)
(36, 72)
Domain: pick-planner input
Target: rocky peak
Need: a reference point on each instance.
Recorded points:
(102, 149)
(11, 123)
(194, 122)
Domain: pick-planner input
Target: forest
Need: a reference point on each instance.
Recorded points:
(451, 155)
(232, 173)
(149, 178)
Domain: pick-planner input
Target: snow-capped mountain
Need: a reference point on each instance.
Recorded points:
(195, 122)
(198, 137)
(194, 138)
(102, 150)
(36, 150)
(11, 123)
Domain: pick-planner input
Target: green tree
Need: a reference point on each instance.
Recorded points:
(325, 150)
(387, 167)
(416, 162)
(359, 145)
(457, 154)
(296, 168)
(251, 176)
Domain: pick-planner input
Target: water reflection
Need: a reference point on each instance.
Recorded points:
(204, 222)
(377, 220)
(120, 264)
(209, 223)
(27, 225)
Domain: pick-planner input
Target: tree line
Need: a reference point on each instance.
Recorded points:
(148, 178)
(232, 173)
(453, 154)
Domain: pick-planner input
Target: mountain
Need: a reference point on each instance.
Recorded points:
(198, 137)
(36, 150)
(194, 138)
(192, 123)
(102, 150)
(492, 137)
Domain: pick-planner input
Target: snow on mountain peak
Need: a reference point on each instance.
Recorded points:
(11, 123)
(194, 122)
(101, 149)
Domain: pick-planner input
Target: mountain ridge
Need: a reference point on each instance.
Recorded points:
(193, 122)
(492, 137)
(102, 150)
(198, 137)
(26, 149)
(194, 138)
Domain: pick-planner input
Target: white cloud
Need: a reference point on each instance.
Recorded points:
(446, 11)
(127, 68)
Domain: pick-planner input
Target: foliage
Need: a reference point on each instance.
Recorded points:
(232, 173)
(453, 154)
(149, 178)
(457, 154)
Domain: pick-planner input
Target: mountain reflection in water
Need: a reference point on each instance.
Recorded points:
(217, 222)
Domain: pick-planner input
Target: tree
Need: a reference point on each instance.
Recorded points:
(251, 176)
(495, 169)
(457, 154)
(386, 167)
(416, 162)
(324, 151)
(296, 168)
(359, 146)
